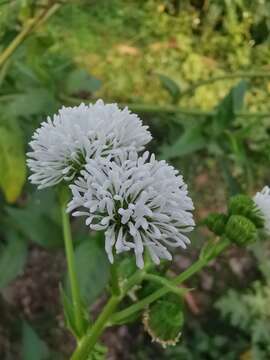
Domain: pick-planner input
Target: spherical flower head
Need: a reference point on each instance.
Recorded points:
(262, 201)
(138, 203)
(62, 146)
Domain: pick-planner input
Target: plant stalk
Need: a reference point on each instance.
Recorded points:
(42, 16)
(193, 269)
(88, 342)
(75, 293)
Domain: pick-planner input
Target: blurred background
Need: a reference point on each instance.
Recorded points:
(198, 73)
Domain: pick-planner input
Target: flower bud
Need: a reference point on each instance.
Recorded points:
(216, 223)
(244, 205)
(164, 321)
(240, 230)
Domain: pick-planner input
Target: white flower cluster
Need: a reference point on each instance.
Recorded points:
(138, 201)
(262, 201)
(62, 146)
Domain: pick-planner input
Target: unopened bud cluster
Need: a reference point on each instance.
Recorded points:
(243, 219)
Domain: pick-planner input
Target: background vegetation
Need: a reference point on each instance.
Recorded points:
(198, 73)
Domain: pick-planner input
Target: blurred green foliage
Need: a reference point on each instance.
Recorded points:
(196, 71)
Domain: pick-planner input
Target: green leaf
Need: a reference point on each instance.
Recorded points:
(12, 259)
(79, 80)
(33, 348)
(227, 108)
(35, 101)
(39, 221)
(92, 268)
(171, 86)
(12, 160)
(192, 140)
(70, 317)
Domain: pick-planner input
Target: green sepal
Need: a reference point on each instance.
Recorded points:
(216, 223)
(240, 230)
(164, 320)
(245, 206)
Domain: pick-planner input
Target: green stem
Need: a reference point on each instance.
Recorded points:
(75, 293)
(165, 283)
(27, 29)
(240, 75)
(88, 342)
(197, 266)
(166, 109)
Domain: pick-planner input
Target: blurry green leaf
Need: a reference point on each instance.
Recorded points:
(226, 109)
(192, 140)
(69, 314)
(12, 259)
(39, 221)
(92, 268)
(12, 160)
(33, 348)
(79, 80)
(35, 101)
(171, 86)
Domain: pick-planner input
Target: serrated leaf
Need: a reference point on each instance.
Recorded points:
(171, 86)
(92, 267)
(39, 220)
(12, 259)
(12, 160)
(33, 348)
(80, 80)
(192, 140)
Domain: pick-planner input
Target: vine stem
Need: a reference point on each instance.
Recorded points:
(31, 24)
(75, 293)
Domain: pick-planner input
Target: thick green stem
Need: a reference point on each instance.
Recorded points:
(197, 266)
(88, 342)
(75, 293)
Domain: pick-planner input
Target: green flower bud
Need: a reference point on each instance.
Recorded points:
(244, 205)
(216, 223)
(164, 321)
(240, 230)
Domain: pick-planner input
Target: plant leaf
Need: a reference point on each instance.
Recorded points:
(40, 224)
(79, 80)
(171, 86)
(226, 109)
(192, 140)
(92, 268)
(12, 160)
(12, 259)
(33, 348)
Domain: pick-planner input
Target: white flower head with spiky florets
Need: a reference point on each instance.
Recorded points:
(62, 146)
(138, 204)
(262, 201)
